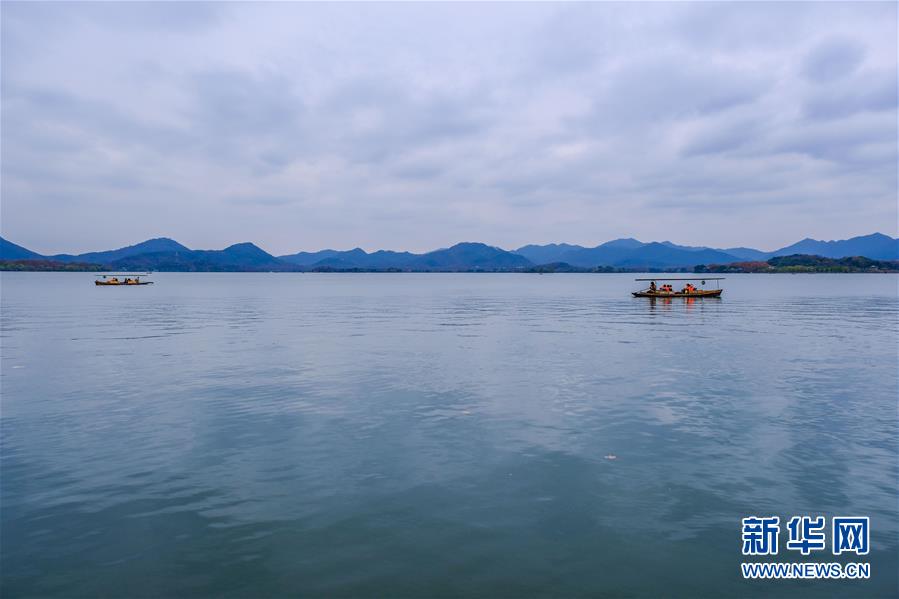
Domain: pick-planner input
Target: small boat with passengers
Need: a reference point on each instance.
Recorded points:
(665, 289)
(107, 280)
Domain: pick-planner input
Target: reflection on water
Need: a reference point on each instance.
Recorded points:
(266, 434)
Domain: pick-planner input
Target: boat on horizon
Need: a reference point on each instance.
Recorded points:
(688, 290)
(113, 280)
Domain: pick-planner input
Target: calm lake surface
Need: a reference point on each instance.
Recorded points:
(438, 434)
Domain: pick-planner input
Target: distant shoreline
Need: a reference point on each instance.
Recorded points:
(875, 252)
(796, 264)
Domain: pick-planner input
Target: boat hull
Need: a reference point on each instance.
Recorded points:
(108, 284)
(702, 293)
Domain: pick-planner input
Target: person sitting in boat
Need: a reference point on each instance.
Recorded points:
(652, 287)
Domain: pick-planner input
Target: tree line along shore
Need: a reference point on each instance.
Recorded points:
(797, 263)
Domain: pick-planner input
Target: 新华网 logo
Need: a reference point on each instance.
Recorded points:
(806, 535)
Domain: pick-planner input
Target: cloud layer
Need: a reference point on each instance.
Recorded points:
(409, 126)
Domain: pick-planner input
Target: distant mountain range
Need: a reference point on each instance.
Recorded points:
(163, 254)
(627, 253)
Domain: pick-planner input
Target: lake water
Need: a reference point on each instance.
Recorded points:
(438, 434)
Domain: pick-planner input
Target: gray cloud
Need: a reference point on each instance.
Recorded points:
(722, 138)
(833, 59)
(674, 88)
(843, 143)
(411, 126)
(871, 92)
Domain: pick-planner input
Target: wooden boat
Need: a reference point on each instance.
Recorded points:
(697, 293)
(107, 280)
(689, 290)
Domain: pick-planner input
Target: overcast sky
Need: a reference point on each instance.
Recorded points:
(416, 126)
